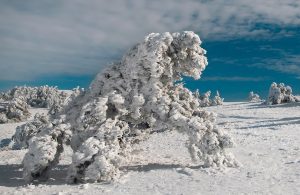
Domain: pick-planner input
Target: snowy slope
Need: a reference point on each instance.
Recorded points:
(267, 139)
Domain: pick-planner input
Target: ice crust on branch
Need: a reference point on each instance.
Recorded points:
(279, 93)
(124, 104)
(253, 97)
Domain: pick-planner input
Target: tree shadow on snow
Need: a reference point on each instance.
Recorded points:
(284, 105)
(157, 166)
(275, 122)
(11, 176)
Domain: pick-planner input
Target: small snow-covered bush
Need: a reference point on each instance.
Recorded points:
(279, 93)
(123, 105)
(205, 100)
(253, 97)
(28, 130)
(39, 97)
(15, 110)
(217, 100)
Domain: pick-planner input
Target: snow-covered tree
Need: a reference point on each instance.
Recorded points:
(217, 100)
(279, 93)
(28, 130)
(15, 110)
(123, 105)
(205, 100)
(39, 97)
(253, 97)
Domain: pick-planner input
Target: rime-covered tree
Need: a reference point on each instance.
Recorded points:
(253, 97)
(124, 104)
(279, 93)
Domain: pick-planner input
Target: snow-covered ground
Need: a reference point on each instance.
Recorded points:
(267, 145)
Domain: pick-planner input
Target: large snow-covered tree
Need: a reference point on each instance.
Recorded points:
(125, 103)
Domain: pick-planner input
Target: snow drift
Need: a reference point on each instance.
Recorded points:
(125, 104)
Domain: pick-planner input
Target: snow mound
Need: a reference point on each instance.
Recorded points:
(279, 93)
(127, 102)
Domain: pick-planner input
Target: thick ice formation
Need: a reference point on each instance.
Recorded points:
(15, 110)
(124, 104)
(279, 93)
(253, 97)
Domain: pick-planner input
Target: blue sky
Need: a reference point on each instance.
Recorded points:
(66, 42)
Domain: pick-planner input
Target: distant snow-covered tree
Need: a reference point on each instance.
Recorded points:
(205, 100)
(15, 110)
(253, 97)
(217, 99)
(28, 130)
(279, 93)
(39, 97)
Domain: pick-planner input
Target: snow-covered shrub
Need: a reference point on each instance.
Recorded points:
(205, 100)
(217, 100)
(279, 93)
(123, 105)
(15, 110)
(253, 97)
(40, 97)
(28, 130)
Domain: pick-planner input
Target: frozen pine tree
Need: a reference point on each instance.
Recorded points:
(28, 130)
(217, 99)
(253, 97)
(125, 103)
(15, 110)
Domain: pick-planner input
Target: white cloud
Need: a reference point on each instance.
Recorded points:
(287, 64)
(79, 37)
(235, 78)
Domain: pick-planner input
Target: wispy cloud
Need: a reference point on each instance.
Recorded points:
(80, 37)
(235, 78)
(287, 64)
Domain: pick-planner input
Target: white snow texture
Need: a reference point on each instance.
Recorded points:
(125, 104)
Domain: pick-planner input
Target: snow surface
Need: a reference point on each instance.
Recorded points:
(268, 148)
